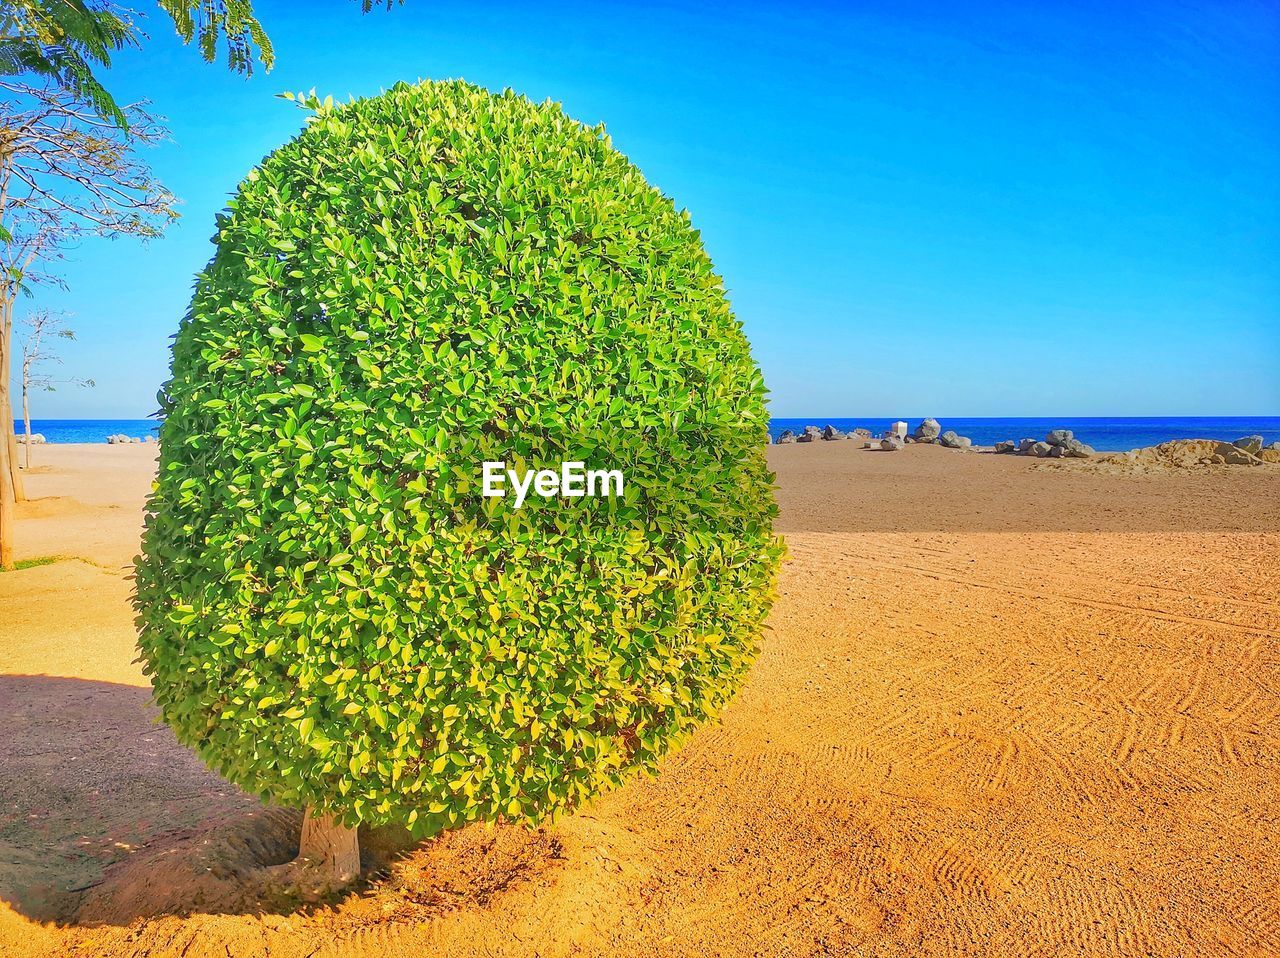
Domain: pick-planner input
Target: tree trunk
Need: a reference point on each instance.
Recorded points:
(11, 441)
(6, 532)
(7, 492)
(19, 490)
(9, 457)
(8, 469)
(329, 845)
(328, 857)
(26, 421)
(6, 507)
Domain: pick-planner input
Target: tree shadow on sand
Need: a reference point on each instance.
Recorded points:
(105, 818)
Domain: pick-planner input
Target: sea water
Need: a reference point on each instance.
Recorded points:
(90, 430)
(1103, 433)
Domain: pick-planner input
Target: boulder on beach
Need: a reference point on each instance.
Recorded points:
(1026, 445)
(1006, 447)
(928, 431)
(1057, 452)
(1075, 449)
(891, 443)
(830, 432)
(36, 438)
(1250, 444)
(810, 434)
(786, 436)
(953, 441)
(861, 433)
(1059, 437)
(1040, 450)
(898, 429)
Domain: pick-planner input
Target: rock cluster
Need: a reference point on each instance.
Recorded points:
(1254, 450)
(1250, 444)
(892, 439)
(930, 431)
(927, 431)
(37, 439)
(1059, 444)
(118, 438)
(827, 433)
(1059, 437)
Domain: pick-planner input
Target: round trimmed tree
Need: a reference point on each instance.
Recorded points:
(332, 613)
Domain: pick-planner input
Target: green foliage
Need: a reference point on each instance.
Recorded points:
(208, 21)
(329, 610)
(64, 41)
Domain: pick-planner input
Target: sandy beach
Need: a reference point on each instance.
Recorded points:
(1004, 708)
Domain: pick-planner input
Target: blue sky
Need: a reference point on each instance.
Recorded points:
(959, 209)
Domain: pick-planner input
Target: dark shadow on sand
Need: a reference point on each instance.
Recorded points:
(105, 818)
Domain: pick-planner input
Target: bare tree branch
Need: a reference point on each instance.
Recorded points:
(65, 174)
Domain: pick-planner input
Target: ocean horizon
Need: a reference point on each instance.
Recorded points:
(1106, 434)
(89, 430)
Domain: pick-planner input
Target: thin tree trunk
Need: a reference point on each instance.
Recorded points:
(7, 435)
(7, 491)
(26, 420)
(19, 489)
(6, 532)
(7, 496)
(10, 482)
(11, 440)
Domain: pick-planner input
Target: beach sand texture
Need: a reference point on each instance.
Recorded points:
(1001, 709)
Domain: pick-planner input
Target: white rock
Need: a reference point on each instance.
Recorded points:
(928, 431)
